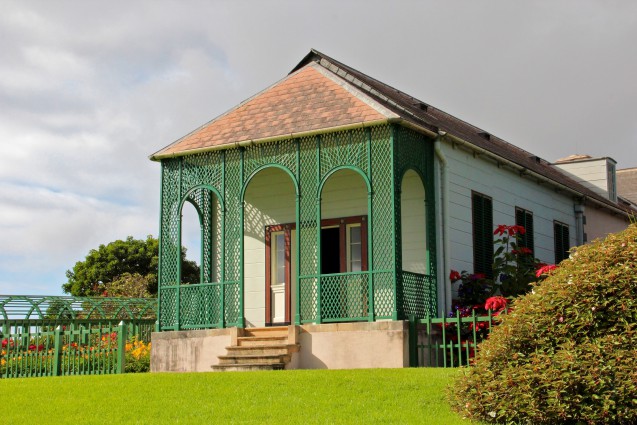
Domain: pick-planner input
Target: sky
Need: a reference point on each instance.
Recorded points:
(88, 90)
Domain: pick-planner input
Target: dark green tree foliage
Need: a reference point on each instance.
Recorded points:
(109, 262)
(567, 353)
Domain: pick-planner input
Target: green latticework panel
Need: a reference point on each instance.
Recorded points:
(200, 306)
(233, 311)
(344, 297)
(309, 298)
(347, 148)
(233, 183)
(282, 152)
(167, 307)
(170, 255)
(382, 214)
(308, 247)
(383, 294)
(413, 151)
(419, 294)
(201, 169)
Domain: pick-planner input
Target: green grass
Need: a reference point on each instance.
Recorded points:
(386, 396)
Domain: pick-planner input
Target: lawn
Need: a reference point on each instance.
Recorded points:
(386, 396)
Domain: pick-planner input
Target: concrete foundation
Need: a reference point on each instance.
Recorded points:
(326, 346)
(189, 351)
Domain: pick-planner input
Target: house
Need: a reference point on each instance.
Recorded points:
(627, 184)
(336, 204)
(600, 176)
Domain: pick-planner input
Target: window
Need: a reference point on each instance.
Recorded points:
(524, 218)
(482, 215)
(344, 245)
(562, 244)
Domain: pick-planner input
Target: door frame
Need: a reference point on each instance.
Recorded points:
(287, 232)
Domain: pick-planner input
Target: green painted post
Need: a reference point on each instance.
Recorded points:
(458, 331)
(393, 209)
(57, 351)
(241, 207)
(370, 230)
(318, 231)
(222, 268)
(297, 266)
(413, 341)
(160, 273)
(121, 347)
(178, 289)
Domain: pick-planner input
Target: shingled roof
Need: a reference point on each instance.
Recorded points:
(322, 94)
(309, 99)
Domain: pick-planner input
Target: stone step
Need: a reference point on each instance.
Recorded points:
(278, 331)
(247, 367)
(270, 349)
(247, 341)
(254, 359)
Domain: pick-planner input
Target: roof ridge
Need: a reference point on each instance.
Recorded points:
(345, 67)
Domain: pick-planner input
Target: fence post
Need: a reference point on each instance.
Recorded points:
(121, 346)
(57, 351)
(413, 341)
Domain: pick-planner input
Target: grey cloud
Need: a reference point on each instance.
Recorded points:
(88, 90)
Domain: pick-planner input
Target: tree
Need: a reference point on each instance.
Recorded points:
(111, 262)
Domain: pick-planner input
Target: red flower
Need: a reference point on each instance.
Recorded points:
(501, 230)
(5, 342)
(454, 276)
(32, 347)
(546, 269)
(496, 303)
(519, 230)
(526, 251)
(477, 276)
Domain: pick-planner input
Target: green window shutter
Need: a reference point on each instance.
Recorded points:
(482, 215)
(561, 237)
(524, 218)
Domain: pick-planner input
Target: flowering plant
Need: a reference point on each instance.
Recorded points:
(513, 265)
(514, 269)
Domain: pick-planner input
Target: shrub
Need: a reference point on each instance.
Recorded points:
(566, 353)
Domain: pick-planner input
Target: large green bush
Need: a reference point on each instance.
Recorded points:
(567, 353)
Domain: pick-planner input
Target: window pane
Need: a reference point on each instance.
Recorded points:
(355, 249)
(279, 262)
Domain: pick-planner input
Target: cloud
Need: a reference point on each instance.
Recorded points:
(89, 90)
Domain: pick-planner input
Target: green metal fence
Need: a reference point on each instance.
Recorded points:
(64, 335)
(69, 308)
(32, 348)
(447, 341)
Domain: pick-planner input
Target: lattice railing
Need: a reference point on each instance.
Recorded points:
(419, 294)
(344, 297)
